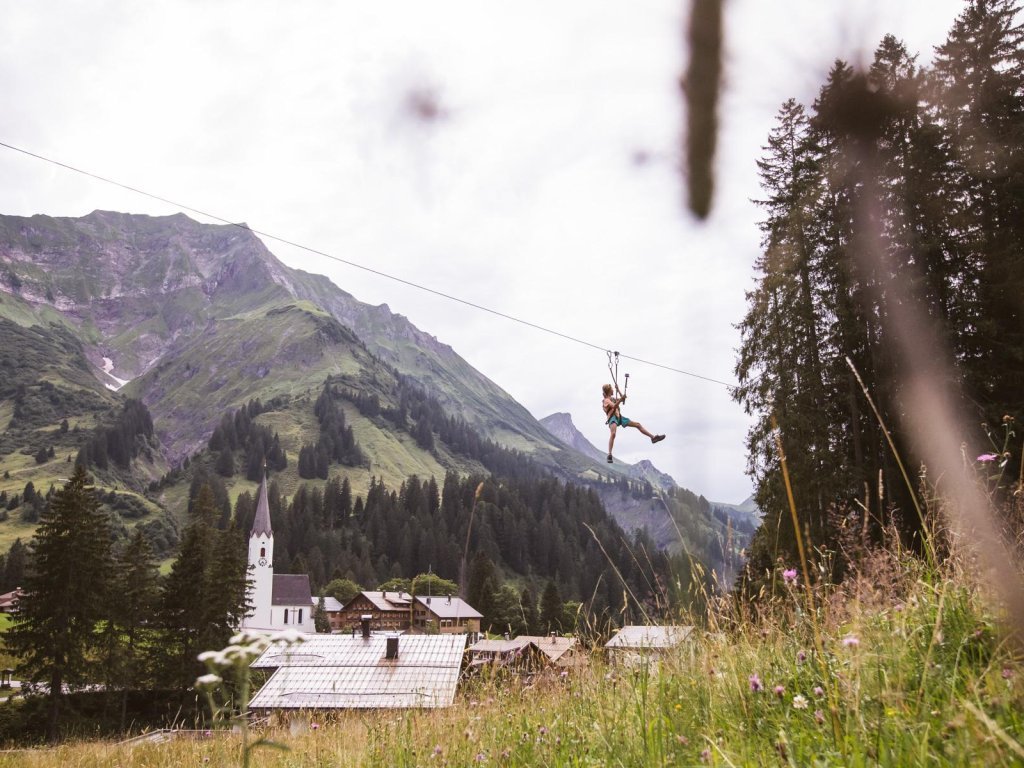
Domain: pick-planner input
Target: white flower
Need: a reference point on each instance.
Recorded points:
(288, 636)
(204, 680)
(208, 656)
(799, 702)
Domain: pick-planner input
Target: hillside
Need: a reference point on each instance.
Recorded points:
(196, 320)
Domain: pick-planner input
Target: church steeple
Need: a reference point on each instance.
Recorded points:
(261, 523)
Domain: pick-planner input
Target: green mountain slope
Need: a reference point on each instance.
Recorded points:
(200, 319)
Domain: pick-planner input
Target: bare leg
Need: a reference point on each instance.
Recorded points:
(611, 440)
(639, 426)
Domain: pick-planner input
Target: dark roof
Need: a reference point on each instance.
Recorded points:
(261, 523)
(291, 589)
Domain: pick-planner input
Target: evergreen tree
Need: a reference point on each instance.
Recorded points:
(15, 566)
(129, 635)
(551, 608)
(55, 629)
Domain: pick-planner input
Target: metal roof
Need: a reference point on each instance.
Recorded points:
(554, 650)
(638, 636)
(261, 523)
(449, 607)
(291, 589)
(331, 604)
(385, 601)
(339, 671)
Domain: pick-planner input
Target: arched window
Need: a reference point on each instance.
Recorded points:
(263, 551)
(285, 615)
(299, 620)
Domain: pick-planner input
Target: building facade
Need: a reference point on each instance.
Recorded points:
(279, 601)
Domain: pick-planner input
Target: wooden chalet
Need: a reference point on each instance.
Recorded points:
(445, 615)
(388, 611)
(528, 653)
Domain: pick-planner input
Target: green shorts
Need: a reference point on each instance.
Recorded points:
(622, 421)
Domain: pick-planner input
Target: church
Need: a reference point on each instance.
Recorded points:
(279, 601)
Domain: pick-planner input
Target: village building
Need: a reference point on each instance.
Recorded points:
(445, 615)
(332, 609)
(395, 611)
(9, 600)
(361, 671)
(529, 653)
(279, 601)
(634, 644)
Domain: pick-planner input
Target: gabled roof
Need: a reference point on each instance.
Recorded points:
(449, 607)
(638, 637)
(291, 589)
(339, 671)
(261, 523)
(385, 601)
(553, 650)
(331, 604)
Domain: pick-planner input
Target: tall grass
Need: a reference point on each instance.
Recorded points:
(911, 671)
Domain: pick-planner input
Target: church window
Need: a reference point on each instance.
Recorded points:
(263, 551)
(299, 620)
(285, 615)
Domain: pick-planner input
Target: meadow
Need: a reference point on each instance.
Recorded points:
(902, 664)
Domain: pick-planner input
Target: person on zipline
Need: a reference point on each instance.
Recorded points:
(615, 419)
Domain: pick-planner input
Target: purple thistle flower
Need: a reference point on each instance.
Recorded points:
(819, 716)
(801, 657)
(988, 457)
(705, 755)
(789, 575)
(851, 641)
(819, 691)
(1007, 673)
(755, 683)
(779, 690)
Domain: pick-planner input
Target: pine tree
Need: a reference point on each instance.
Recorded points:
(55, 629)
(551, 608)
(128, 636)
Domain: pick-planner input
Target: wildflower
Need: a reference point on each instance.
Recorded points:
(678, 707)
(481, 757)
(543, 730)
(437, 750)
(801, 657)
(799, 701)
(988, 457)
(682, 740)
(563, 674)
(851, 641)
(755, 683)
(789, 575)
(819, 691)
(314, 726)
(211, 679)
(209, 656)
(705, 756)
(1007, 673)
(505, 753)
(779, 690)
(819, 716)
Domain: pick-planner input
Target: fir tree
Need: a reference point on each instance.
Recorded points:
(55, 628)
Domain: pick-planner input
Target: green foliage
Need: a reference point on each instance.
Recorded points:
(432, 584)
(344, 590)
(65, 593)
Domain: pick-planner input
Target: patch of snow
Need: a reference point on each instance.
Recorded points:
(108, 367)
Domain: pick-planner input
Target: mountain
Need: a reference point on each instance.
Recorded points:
(197, 320)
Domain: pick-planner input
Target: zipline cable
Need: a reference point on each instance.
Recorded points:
(356, 265)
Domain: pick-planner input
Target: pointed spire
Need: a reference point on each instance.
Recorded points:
(261, 523)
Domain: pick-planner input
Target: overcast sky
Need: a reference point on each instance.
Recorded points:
(523, 156)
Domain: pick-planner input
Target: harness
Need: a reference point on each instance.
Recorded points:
(613, 369)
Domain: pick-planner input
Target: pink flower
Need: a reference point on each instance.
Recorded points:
(819, 716)
(789, 575)
(779, 690)
(801, 657)
(819, 691)
(755, 683)
(988, 457)
(851, 641)
(705, 755)
(314, 726)
(1007, 673)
